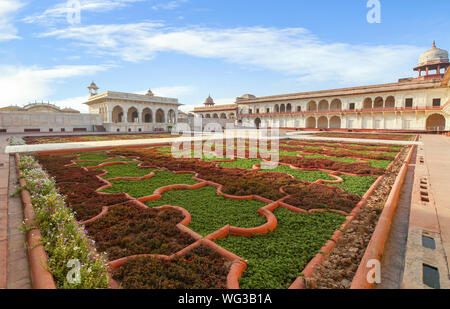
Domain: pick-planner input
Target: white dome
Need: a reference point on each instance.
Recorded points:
(434, 55)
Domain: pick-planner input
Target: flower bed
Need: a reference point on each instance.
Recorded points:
(310, 176)
(30, 140)
(394, 137)
(146, 187)
(235, 181)
(62, 238)
(127, 230)
(123, 227)
(210, 212)
(353, 168)
(316, 196)
(276, 259)
(356, 185)
(201, 268)
(124, 170)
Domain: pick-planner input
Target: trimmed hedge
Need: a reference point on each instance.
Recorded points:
(125, 170)
(210, 211)
(201, 268)
(356, 184)
(275, 260)
(128, 230)
(147, 186)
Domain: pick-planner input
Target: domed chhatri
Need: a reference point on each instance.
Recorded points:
(435, 59)
(209, 101)
(433, 56)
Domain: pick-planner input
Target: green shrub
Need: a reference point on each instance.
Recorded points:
(146, 187)
(125, 170)
(275, 260)
(310, 176)
(356, 184)
(210, 211)
(241, 163)
(380, 163)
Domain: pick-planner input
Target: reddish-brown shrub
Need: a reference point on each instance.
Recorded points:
(129, 230)
(315, 196)
(201, 268)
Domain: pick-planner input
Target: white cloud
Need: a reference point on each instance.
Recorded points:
(21, 85)
(7, 10)
(75, 102)
(59, 12)
(294, 51)
(224, 101)
(170, 5)
(174, 91)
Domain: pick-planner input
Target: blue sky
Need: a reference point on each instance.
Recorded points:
(191, 48)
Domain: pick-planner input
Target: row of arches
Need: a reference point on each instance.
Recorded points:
(146, 116)
(379, 102)
(323, 105)
(312, 105)
(219, 116)
(433, 122)
(323, 122)
(336, 105)
(283, 108)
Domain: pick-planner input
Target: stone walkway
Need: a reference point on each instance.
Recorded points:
(4, 174)
(14, 268)
(437, 155)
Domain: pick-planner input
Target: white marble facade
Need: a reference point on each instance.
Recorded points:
(128, 112)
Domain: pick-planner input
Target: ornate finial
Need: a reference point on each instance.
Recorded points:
(434, 43)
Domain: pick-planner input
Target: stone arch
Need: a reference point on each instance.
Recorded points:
(367, 103)
(117, 114)
(208, 116)
(231, 115)
(335, 122)
(312, 106)
(322, 123)
(132, 114)
(147, 115)
(435, 122)
(378, 103)
(159, 116)
(323, 105)
(282, 108)
(289, 108)
(171, 116)
(335, 105)
(276, 108)
(223, 116)
(390, 102)
(311, 123)
(215, 116)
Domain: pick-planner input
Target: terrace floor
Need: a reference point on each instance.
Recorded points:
(437, 152)
(14, 268)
